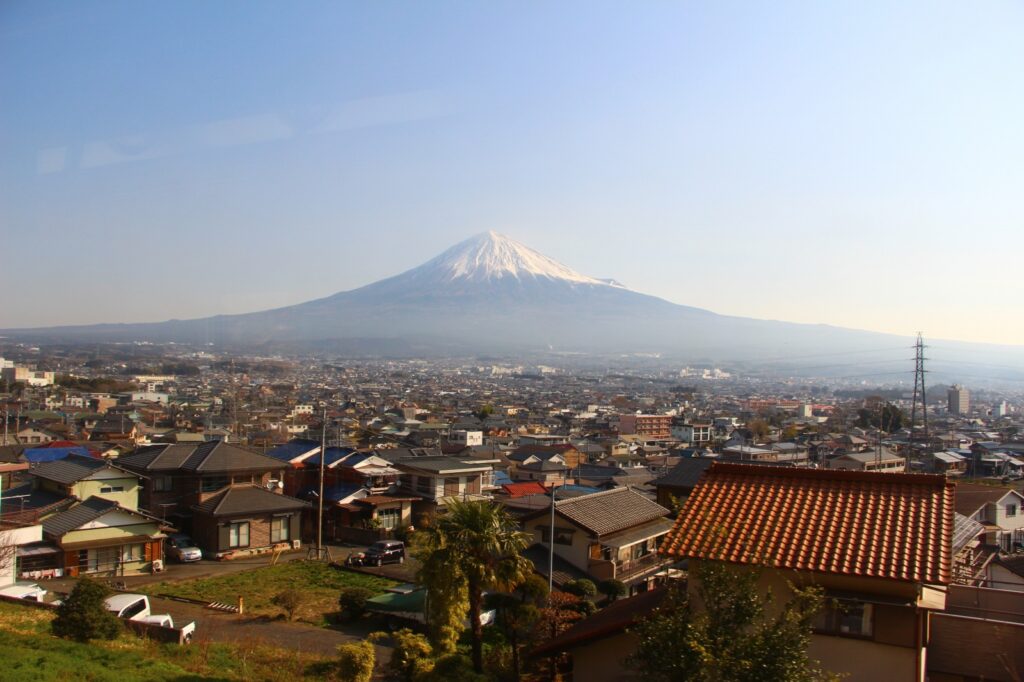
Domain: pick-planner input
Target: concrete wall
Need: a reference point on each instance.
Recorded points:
(602, 660)
(577, 554)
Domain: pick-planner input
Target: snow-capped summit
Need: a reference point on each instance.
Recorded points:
(491, 256)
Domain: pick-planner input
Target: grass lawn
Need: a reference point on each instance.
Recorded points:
(29, 652)
(318, 581)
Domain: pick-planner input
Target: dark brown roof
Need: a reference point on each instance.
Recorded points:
(970, 497)
(685, 474)
(248, 500)
(895, 526)
(609, 511)
(212, 457)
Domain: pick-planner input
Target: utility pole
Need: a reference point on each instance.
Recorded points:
(919, 396)
(320, 496)
(551, 544)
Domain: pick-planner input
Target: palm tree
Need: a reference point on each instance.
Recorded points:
(475, 546)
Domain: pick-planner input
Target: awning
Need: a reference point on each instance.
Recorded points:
(651, 529)
(37, 550)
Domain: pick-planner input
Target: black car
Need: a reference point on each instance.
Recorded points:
(385, 552)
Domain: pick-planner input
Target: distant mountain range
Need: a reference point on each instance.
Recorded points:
(492, 295)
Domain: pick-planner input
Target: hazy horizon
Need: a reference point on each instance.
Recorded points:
(857, 165)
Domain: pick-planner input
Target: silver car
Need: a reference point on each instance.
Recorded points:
(181, 548)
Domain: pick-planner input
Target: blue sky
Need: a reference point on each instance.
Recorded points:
(858, 164)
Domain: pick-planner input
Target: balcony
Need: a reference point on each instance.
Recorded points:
(626, 569)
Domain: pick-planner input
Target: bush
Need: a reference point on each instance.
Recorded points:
(356, 661)
(612, 589)
(412, 656)
(581, 588)
(352, 601)
(290, 600)
(453, 668)
(83, 616)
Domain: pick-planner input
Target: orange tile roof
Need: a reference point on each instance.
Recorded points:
(896, 526)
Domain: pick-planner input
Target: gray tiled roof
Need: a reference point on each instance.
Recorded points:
(686, 473)
(212, 457)
(249, 500)
(80, 514)
(69, 470)
(610, 511)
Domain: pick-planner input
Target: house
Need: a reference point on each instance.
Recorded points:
(998, 509)
(99, 536)
(205, 488)
(676, 485)
(878, 544)
(244, 518)
(949, 463)
(85, 477)
(437, 479)
(612, 534)
(886, 461)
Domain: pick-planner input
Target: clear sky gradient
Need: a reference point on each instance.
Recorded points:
(859, 164)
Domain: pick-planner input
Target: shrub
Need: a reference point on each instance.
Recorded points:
(356, 661)
(83, 616)
(612, 589)
(412, 656)
(290, 600)
(352, 601)
(581, 588)
(453, 668)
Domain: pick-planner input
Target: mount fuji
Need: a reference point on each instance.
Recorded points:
(490, 294)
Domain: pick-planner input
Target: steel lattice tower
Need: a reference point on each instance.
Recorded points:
(919, 396)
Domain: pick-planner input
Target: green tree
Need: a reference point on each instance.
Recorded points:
(83, 615)
(730, 638)
(759, 430)
(475, 546)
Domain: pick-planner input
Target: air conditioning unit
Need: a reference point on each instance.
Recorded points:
(158, 565)
(296, 544)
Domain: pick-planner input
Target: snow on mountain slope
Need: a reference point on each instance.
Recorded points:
(491, 256)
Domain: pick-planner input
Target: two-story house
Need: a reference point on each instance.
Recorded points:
(999, 510)
(229, 498)
(878, 544)
(436, 479)
(612, 534)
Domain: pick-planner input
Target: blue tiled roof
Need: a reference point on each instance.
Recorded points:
(292, 449)
(333, 455)
(501, 477)
(37, 455)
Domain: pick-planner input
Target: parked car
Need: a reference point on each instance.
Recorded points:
(135, 607)
(385, 552)
(24, 590)
(181, 548)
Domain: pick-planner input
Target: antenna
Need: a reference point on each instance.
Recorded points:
(919, 396)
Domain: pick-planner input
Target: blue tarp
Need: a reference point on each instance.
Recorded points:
(38, 455)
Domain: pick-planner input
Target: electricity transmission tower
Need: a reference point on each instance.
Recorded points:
(919, 399)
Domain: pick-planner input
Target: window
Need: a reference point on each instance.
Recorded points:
(213, 483)
(163, 484)
(389, 518)
(243, 479)
(451, 486)
(99, 560)
(1011, 510)
(845, 617)
(279, 526)
(112, 489)
(563, 536)
(425, 484)
(134, 552)
(238, 534)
